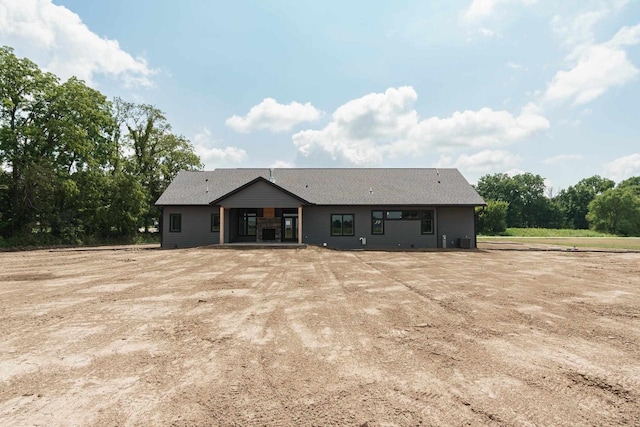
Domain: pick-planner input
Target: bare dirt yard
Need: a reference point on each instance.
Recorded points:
(288, 337)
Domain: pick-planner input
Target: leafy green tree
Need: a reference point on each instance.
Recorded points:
(633, 183)
(158, 154)
(574, 201)
(493, 217)
(528, 206)
(74, 165)
(616, 211)
(24, 91)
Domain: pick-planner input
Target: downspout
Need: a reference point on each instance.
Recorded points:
(475, 227)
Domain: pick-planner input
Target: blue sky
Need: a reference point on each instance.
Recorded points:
(486, 86)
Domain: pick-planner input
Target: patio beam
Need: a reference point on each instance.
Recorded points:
(221, 225)
(300, 224)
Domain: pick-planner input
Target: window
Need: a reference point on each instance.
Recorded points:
(175, 223)
(411, 215)
(377, 222)
(394, 215)
(425, 217)
(342, 225)
(404, 215)
(247, 223)
(215, 222)
(426, 222)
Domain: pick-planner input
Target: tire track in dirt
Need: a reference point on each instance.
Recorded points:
(319, 337)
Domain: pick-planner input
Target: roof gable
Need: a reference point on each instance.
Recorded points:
(257, 182)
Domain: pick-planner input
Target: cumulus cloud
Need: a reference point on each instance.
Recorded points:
(210, 155)
(363, 129)
(56, 39)
(593, 68)
(623, 167)
(484, 161)
(481, 128)
(599, 68)
(562, 158)
(271, 115)
(366, 130)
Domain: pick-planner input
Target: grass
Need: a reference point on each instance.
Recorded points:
(43, 240)
(565, 237)
(552, 232)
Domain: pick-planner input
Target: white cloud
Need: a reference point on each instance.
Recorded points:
(211, 155)
(366, 130)
(480, 10)
(281, 164)
(271, 115)
(561, 158)
(56, 39)
(515, 66)
(623, 167)
(481, 128)
(599, 68)
(627, 36)
(483, 162)
(362, 130)
(578, 31)
(594, 68)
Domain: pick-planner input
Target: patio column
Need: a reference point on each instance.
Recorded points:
(221, 225)
(299, 225)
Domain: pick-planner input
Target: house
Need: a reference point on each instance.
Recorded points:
(353, 208)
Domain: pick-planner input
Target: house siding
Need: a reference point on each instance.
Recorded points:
(456, 223)
(402, 234)
(195, 230)
(260, 195)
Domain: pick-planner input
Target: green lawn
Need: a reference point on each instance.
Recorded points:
(565, 237)
(552, 232)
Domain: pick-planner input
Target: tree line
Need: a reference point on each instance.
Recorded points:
(595, 202)
(76, 167)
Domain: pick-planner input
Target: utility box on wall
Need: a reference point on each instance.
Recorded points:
(464, 243)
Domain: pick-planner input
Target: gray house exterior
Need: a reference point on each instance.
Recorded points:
(339, 208)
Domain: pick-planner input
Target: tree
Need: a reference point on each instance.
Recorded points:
(74, 165)
(633, 183)
(574, 201)
(24, 91)
(158, 154)
(528, 206)
(616, 211)
(493, 217)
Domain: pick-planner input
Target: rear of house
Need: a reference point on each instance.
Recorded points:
(338, 208)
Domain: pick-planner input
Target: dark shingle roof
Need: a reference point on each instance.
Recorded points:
(357, 186)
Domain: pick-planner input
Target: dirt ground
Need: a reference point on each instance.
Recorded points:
(296, 337)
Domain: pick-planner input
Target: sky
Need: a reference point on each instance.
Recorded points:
(486, 86)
